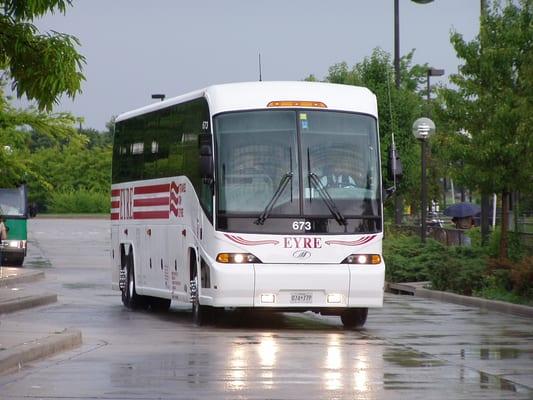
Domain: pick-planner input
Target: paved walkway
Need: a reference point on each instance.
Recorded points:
(21, 343)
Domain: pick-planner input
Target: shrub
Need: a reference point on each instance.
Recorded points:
(79, 201)
(521, 277)
(468, 270)
(516, 249)
(407, 260)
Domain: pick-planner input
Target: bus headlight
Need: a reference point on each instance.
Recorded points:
(371, 259)
(237, 258)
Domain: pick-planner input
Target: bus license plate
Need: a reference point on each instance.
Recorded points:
(301, 298)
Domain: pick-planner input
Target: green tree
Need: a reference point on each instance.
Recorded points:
(492, 104)
(71, 166)
(16, 130)
(398, 108)
(42, 66)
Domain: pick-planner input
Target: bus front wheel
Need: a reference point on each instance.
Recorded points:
(354, 317)
(198, 311)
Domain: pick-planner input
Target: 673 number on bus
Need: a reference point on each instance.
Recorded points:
(301, 226)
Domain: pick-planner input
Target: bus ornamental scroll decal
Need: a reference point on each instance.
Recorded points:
(358, 242)
(242, 241)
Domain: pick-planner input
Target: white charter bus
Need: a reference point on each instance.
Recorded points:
(260, 195)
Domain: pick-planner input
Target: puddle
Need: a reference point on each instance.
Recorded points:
(411, 359)
(37, 263)
(501, 353)
(487, 381)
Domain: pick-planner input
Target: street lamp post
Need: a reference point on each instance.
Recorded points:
(423, 128)
(398, 204)
(432, 72)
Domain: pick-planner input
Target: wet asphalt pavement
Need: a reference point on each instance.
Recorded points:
(411, 349)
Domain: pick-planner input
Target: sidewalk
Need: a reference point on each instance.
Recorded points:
(419, 289)
(23, 342)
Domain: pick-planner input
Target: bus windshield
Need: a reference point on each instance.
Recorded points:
(331, 158)
(13, 202)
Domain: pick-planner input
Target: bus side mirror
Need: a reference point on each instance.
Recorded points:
(395, 169)
(387, 192)
(206, 158)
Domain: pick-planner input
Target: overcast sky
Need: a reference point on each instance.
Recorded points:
(135, 48)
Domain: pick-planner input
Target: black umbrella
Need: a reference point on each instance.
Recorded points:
(462, 210)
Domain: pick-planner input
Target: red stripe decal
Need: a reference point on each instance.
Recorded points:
(163, 188)
(150, 215)
(114, 216)
(115, 204)
(158, 201)
(240, 240)
(115, 192)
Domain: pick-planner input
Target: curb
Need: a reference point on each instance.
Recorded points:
(27, 277)
(484, 304)
(22, 303)
(17, 357)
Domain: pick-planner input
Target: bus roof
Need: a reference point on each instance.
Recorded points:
(256, 95)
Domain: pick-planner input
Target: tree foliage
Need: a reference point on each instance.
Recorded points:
(398, 108)
(71, 167)
(42, 66)
(492, 104)
(16, 127)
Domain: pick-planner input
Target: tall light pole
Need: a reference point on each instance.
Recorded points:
(432, 72)
(398, 203)
(423, 128)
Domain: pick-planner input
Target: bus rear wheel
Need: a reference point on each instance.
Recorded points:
(130, 298)
(354, 317)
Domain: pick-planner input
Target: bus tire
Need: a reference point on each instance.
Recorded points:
(201, 314)
(16, 260)
(130, 298)
(198, 317)
(354, 317)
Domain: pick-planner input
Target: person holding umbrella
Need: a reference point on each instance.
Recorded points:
(463, 223)
(463, 217)
(462, 214)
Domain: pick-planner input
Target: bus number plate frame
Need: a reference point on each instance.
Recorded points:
(302, 298)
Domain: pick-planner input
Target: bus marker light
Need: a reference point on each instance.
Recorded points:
(334, 298)
(292, 103)
(268, 298)
(362, 259)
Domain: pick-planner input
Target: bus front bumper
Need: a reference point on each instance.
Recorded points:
(295, 286)
(13, 247)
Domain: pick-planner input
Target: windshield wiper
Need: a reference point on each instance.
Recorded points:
(281, 187)
(313, 178)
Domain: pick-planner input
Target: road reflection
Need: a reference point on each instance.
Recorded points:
(333, 364)
(238, 363)
(267, 351)
(361, 374)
